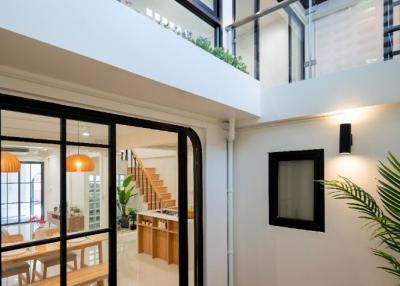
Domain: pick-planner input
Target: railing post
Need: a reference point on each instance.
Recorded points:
(151, 200)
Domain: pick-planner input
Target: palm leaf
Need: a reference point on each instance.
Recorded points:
(384, 222)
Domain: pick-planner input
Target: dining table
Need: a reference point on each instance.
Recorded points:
(36, 252)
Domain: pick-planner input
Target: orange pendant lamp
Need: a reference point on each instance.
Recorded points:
(79, 162)
(9, 163)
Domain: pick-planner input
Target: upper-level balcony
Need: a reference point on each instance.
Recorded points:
(147, 49)
(295, 40)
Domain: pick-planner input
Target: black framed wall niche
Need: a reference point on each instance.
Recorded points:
(296, 198)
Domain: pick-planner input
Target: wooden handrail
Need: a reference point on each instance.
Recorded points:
(143, 168)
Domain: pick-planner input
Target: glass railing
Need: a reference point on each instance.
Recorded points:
(288, 41)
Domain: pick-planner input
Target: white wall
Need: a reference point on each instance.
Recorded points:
(359, 87)
(141, 47)
(277, 256)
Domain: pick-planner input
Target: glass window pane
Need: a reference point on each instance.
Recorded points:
(208, 3)
(29, 219)
(79, 131)
(93, 252)
(12, 193)
(296, 189)
(36, 172)
(157, 152)
(25, 212)
(25, 192)
(37, 209)
(87, 191)
(191, 212)
(12, 213)
(244, 46)
(4, 214)
(3, 178)
(25, 175)
(29, 126)
(37, 191)
(4, 197)
(50, 252)
(175, 17)
(12, 177)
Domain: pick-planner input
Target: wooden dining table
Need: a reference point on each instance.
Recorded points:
(39, 251)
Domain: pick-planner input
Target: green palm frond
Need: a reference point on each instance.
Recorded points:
(385, 220)
(125, 192)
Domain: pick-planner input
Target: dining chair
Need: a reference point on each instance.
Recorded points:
(50, 260)
(16, 269)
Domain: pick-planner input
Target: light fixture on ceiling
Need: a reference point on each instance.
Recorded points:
(9, 163)
(346, 139)
(79, 162)
(86, 132)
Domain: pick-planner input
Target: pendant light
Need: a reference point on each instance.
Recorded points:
(9, 163)
(79, 162)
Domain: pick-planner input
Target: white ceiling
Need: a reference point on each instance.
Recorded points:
(32, 56)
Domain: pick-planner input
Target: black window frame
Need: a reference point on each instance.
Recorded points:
(316, 155)
(211, 17)
(64, 113)
(31, 200)
(292, 17)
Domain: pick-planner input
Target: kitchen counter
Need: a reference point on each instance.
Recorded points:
(158, 235)
(157, 214)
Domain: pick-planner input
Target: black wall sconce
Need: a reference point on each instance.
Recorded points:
(346, 138)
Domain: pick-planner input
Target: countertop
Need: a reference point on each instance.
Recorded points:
(159, 215)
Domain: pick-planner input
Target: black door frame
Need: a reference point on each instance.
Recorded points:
(64, 112)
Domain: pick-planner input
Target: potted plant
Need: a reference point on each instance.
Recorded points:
(384, 217)
(124, 194)
(75, 211)
(132, 217)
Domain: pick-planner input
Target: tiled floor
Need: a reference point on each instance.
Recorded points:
(140, 269)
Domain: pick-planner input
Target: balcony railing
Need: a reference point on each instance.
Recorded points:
(294, 40)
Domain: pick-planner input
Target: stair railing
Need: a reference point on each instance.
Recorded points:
(144, 181)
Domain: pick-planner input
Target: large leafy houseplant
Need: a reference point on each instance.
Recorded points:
(385, 220)
(124, 193)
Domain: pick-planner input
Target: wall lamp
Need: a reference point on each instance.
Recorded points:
(346, 139)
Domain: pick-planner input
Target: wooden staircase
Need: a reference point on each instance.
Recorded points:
(151, 188)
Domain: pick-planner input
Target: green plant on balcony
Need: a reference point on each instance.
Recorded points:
(385, 221)
(205, 44)
(220, 53)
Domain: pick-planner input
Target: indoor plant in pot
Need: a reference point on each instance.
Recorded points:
(382, 218)
(132, 217)
(124, 193)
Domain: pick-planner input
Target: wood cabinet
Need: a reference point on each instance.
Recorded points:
(74, 223)
(159, 237)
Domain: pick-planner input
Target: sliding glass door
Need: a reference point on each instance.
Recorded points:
(63, 171)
